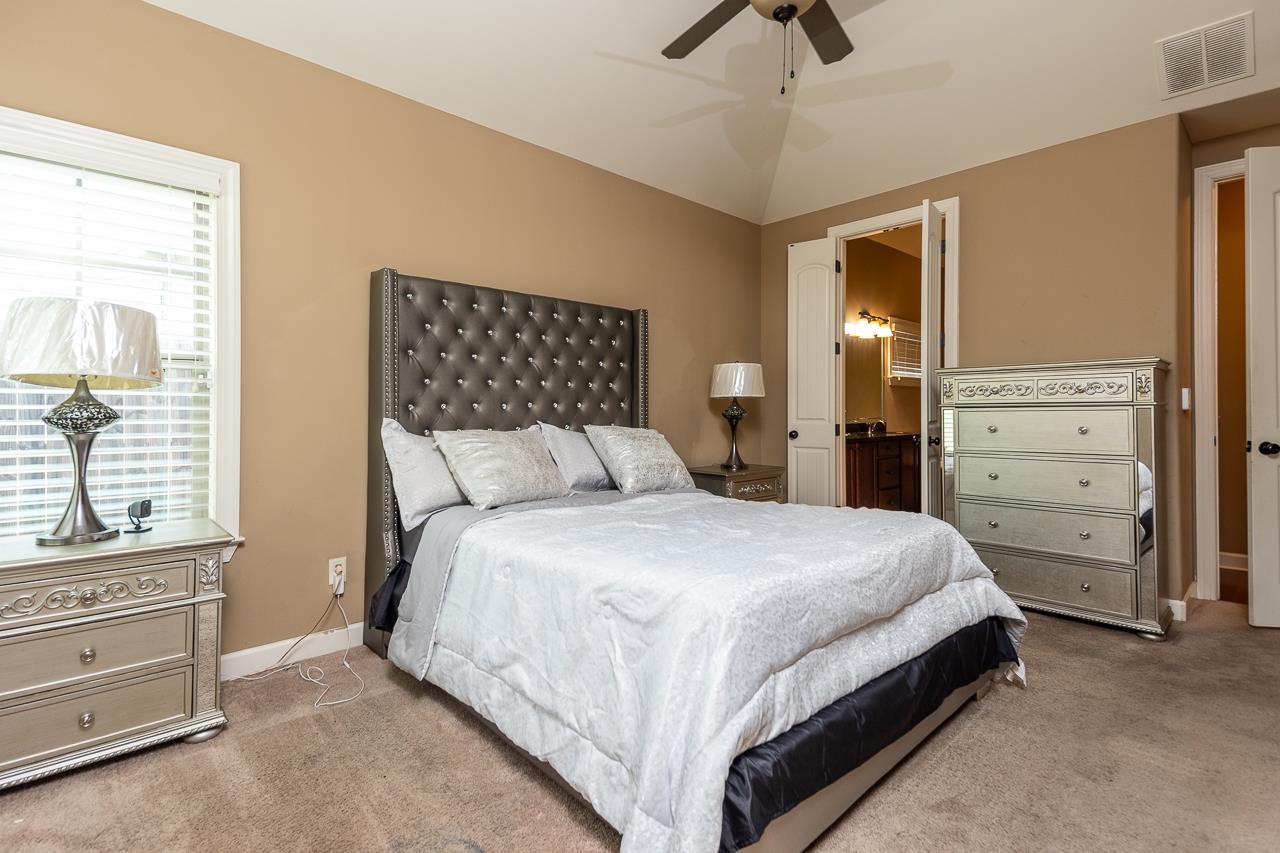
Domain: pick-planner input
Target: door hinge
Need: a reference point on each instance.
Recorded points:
(1248, 447)
(838, 267)
(837, 430)
(837, 347)
(942, 246)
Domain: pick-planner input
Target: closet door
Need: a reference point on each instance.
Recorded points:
(813, 432)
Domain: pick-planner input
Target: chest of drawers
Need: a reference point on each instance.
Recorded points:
(109, 647)
(1053, 473)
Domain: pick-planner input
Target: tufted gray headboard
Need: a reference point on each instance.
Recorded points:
(444, 355)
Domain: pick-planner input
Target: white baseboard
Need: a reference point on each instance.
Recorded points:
(258, 658)
(1178, 606)
(1228, 560)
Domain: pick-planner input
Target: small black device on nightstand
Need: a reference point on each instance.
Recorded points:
(139, 510)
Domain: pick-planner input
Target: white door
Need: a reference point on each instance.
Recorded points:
(931, 336)
(1262, 312)
(813, 432)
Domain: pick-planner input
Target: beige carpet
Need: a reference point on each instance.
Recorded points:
(1118, 744)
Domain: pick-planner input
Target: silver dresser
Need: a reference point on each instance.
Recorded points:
(1051, 471)
(109, 647)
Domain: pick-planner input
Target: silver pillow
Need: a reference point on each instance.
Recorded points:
(639, 460)
(576, 459)
(499, 468)
(419, 474)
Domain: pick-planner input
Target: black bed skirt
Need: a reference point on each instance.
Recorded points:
(769, 780)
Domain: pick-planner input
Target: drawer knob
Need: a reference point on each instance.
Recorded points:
(86, 720)
(88, 596)
(1084, 430)
(992, 428)
(995, 571)
(1084, 483)
(993, 476)
(1084, 587)
(88, 655)
(1084, 534)
(993, 524)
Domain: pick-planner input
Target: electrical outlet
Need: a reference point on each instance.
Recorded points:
(338, 575)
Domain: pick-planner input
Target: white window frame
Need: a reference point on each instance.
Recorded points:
(64, 142)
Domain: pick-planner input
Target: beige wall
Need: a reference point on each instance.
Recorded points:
(1233, 498)
(885, 282)
(340, 178)
(1233, 147)
(1079, 251)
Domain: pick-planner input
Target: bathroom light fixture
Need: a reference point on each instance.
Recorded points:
(868, 326)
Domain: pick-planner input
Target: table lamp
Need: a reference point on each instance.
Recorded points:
(73, 343)
(736, 379)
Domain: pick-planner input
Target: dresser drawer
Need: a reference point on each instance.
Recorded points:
(766, 489)
(23, 603)
(41, 730)
(1049, 430)
(1101, 537)
(68, 655)
(1095, 483)
(1036, 580)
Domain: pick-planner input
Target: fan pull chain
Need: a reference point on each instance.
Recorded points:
(793, 54)
(784, 57)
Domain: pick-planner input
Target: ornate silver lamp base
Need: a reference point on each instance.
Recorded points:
(80, 418)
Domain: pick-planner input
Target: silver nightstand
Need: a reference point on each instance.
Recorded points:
(109, 647)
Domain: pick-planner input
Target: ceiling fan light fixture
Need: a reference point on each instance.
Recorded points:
(772, 10)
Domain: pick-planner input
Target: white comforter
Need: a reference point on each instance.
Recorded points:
(639, 647)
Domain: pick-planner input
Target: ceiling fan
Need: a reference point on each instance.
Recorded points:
(819, 22)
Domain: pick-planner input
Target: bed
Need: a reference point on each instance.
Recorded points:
(707, 674)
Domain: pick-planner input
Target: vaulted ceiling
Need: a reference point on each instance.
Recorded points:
(932, 87)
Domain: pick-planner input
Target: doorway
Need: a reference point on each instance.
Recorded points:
(882, 369)
(817, 467)
(1222, 509)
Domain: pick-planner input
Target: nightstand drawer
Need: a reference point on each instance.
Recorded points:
(66, 656)
(24, 603)
(44, 729)
(768, 489)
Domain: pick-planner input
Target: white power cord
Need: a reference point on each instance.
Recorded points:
(312, 673)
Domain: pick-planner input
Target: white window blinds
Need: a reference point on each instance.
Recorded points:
(71, 231)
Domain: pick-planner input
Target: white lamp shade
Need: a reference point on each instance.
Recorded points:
(53, 342)
(737, 379)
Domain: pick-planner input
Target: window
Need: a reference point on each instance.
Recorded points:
(903, 363)
(97, 216)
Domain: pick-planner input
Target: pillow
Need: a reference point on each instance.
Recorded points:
(500, 468)
(419, 474)
(639, 460)
(576, 459)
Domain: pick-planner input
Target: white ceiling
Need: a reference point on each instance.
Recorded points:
(932, 87)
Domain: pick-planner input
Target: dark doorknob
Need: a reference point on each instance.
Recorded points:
(934, 441)
(793, 435)
(1269, 448)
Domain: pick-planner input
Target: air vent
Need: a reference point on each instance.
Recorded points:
(1198, 59)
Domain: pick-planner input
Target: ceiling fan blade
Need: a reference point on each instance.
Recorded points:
(825, 33)
(723, 13)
